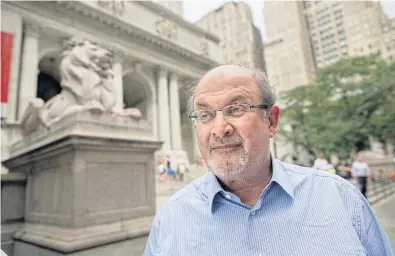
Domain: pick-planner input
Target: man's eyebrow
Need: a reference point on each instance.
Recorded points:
(232, 100)
(237, 98)
(202, 104)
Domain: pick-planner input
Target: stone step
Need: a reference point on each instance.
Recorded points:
(380, 193)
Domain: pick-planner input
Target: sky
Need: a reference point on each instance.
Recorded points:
(195, 9)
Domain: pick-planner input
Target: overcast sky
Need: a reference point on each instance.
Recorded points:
(195, 9)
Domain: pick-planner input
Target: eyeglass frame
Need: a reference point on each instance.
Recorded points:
(250, 106)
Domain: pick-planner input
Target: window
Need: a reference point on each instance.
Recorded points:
(388, 48)
(370, 46)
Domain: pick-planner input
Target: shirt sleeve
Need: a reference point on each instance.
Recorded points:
(151, 249)
(373, 238)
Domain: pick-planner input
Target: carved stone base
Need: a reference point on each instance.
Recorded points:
(55, 239)
(130, 247)
(89, 182)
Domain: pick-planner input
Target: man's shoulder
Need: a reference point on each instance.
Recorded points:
(189, 194)
(300, 175)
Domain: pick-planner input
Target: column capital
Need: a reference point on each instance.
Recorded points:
(31, 29)
(118, 55)
(173, 76)
(162, 72)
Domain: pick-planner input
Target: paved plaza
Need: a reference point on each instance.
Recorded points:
(385, 211)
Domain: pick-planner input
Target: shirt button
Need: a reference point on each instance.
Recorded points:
(228, 196)
(253, 213)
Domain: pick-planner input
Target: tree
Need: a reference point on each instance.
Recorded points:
(350, 101)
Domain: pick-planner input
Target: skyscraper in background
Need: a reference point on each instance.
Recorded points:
(288, 55)
(339, 29)
(241, 41)
(314, 34)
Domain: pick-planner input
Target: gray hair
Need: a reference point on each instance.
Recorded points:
(268, 93)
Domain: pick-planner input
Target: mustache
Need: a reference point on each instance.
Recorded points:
(217, 142)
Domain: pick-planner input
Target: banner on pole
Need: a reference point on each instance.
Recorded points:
(6, 55)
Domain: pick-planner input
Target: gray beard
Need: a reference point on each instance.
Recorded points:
(229, 167)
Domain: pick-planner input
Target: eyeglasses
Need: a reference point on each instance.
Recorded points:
(230, 112)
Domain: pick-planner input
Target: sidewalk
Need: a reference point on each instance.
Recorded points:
(165, 189)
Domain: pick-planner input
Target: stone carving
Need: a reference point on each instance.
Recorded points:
(87, 85)
(203, 46)
(115, 6)
(166, 28)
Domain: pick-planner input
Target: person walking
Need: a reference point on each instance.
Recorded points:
(360, 171)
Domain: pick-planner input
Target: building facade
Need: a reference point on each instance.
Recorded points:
(288, 56)
(154, 60)
(241, 41)
(174, 6)
(347, 28)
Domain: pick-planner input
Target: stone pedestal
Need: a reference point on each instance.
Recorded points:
(90, 185)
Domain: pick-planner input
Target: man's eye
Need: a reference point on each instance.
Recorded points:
(204, 115)
(235, 110)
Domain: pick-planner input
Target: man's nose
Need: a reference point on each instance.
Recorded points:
(221, 126)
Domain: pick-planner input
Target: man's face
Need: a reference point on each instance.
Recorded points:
(232, 146)
(321, 155)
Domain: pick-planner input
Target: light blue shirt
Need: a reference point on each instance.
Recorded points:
(302, 211)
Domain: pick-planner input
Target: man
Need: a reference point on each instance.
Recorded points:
(250, 203)
(320, 163)
(360, 171)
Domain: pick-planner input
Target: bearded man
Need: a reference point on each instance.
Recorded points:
(250, 203)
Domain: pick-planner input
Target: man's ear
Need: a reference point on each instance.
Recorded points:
(274, 115)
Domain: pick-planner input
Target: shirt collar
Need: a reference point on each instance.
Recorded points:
(280, 176)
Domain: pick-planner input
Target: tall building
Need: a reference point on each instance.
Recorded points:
(288, 55)
(174, 6)
(322, 31)
(339, 29)
(241, 41)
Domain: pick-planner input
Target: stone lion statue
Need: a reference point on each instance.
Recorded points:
(87, 85)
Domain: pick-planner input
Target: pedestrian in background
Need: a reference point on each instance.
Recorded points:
(360, 171)
(320, 163)
(162, 172)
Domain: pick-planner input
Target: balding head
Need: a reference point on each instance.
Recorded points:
(258, 78)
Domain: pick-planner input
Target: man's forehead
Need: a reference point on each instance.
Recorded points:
(226, 70)
(225, 75)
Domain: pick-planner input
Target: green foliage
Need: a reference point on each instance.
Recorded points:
(351, 100)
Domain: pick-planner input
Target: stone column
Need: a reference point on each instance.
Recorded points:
(118, 78)
(29, 72)
(175, 113)
(163, 110)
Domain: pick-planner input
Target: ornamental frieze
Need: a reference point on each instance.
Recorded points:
(117, 7)
(166, 28)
